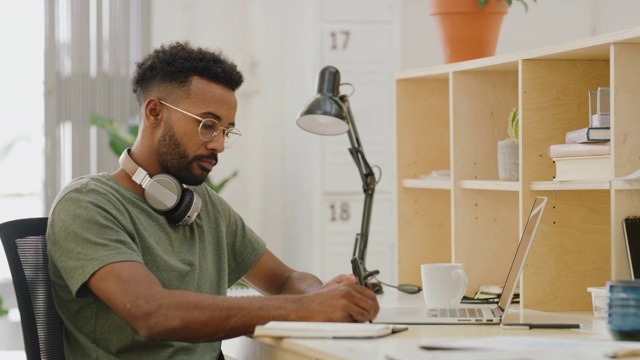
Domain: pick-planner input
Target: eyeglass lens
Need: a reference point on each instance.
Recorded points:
(210, 128)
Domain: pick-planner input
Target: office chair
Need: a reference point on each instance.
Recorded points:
(26, 250)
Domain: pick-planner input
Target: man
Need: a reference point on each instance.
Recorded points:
(127, 281)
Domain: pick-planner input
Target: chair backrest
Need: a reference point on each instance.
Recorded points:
(26, 250)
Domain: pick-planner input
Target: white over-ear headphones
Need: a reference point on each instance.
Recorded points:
(164, 193)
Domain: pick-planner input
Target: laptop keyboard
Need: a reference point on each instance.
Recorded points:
(455, 313)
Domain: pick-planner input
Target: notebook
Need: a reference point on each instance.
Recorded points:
(336, 330)
(474, 314)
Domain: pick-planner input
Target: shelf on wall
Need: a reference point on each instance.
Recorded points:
(490, 185)
(586, 185)
(625, 184)
(570, 185)
(427, 184)
(464, 184)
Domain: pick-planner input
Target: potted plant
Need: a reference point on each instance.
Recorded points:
(469, 29)
(508, 150)
(120, 140)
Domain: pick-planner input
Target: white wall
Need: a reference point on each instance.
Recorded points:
(269, 42)
(274, 43)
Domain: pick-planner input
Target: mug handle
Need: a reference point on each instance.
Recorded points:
(463, 277)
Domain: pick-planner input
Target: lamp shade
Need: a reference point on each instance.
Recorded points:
(325, 114)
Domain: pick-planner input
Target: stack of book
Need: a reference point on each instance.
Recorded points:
(582, 161)
(586, 153)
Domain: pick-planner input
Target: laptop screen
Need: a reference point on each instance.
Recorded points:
(631, 228)
(521, 253)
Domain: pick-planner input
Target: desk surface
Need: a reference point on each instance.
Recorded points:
(591, 342)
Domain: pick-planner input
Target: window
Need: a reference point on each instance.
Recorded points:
(21, 113)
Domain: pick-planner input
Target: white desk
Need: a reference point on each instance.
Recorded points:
(406, 345)
(12, 355)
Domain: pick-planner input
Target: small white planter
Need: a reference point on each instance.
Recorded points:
(508, 160)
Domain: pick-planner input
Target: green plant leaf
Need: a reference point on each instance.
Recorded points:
(218, 187)
(513, 128)
(118, 138)
(524, 3)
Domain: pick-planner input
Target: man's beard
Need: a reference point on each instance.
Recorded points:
(175, 161)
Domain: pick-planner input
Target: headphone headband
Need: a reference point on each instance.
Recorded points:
(138, 174)
(163, 192)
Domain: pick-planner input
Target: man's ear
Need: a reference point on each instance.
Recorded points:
(151, 112)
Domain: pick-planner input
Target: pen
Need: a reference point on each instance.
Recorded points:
(528, 326)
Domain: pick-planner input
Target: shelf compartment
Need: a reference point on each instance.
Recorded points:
(425, 234)
(423, 145)
(571, 251)
(481, 104)
(486, 234)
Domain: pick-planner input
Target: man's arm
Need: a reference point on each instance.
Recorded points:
(271, 276)
(137, 296)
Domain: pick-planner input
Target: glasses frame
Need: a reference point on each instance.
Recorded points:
(225, 131)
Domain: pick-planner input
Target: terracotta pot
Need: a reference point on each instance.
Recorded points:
(466, 32)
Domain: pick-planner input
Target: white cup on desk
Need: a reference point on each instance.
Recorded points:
(443, 284)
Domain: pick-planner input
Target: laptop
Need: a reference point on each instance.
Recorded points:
(631, 230)
(474, 314)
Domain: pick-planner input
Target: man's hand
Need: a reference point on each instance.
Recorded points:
(341, 300)
(340, 279)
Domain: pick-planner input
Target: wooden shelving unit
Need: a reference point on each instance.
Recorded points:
(452, 116)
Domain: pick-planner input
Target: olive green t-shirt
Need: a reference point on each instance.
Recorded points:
(95, 222)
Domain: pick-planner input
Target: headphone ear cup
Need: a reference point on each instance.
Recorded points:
(181, 211)
(163, 192)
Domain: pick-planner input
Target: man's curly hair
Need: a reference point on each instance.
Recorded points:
(172, 66)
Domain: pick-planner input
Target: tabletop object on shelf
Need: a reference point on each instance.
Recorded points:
(583, 167)
(509, 150)
(600, 301)
(469, 29)
(599, 107)
(623, 312)
(588, 134)
(437, 175)
(573, 150)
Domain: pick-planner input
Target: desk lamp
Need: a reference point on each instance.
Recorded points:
(329, 113)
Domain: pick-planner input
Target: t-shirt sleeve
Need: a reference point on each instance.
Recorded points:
(83, 235)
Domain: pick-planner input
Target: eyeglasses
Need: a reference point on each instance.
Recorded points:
(209, 128)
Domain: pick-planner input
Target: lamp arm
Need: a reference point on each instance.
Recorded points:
(357, 153)
(368, 183)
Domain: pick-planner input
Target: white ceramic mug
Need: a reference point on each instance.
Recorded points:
(443, 285)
